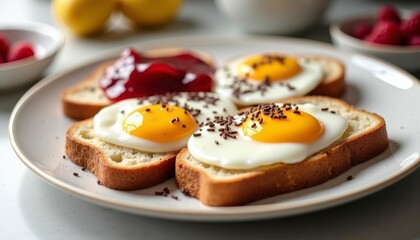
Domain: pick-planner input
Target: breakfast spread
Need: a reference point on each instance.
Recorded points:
(11, 52)
(152, 116)
(132, 144)
(136, 75)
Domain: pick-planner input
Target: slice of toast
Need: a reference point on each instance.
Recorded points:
(86, 98)
(364, 138)
(116, 167)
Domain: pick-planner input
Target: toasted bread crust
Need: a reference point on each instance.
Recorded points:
(251, 185)
(111, 174)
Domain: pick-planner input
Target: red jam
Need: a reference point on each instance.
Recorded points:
(135, 75)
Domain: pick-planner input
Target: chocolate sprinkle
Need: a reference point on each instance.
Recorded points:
(209, 99)
(241, 85)
(165, 193)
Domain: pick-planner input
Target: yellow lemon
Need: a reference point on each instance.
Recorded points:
(83, 17)
(149, 13)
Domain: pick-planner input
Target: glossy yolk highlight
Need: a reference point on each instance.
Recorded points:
(298, 127)
(160, 123)
(268, 68)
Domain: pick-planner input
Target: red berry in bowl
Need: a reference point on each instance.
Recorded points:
(388, 13)
(4, 46)
(21, 50)
(361, 30)
(411, 26)
(414, 40)
(385, 33)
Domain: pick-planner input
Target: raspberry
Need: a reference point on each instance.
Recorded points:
(2, 60)
(411, 26)
(388, 13)
(4, 46)
(385, 33)
(361, 30)
(414, 40)
(20, 50)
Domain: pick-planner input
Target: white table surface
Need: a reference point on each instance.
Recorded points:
(32, 209)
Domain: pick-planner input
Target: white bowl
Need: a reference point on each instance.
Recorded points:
(47, 42)
(402, 56)
(273, 16)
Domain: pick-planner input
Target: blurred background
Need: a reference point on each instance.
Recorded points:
(190, 17)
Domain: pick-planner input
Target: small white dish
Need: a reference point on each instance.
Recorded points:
(273, 16)
(37, 134)
(403, 56)
(47, 42)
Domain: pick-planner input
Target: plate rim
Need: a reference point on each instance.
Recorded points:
(220, 214)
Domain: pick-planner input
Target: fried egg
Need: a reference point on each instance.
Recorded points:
(267, 134)
(161, 123)
(271, 77)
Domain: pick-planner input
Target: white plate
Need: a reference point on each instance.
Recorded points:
(37, 130)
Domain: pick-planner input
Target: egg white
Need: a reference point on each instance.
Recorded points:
(108, 121)
(304, 82)
(245, 153)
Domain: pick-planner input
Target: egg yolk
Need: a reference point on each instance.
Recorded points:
(160, 123)
(268, 67)
(296, 127)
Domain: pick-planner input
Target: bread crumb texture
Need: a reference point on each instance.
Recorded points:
(114, 154)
